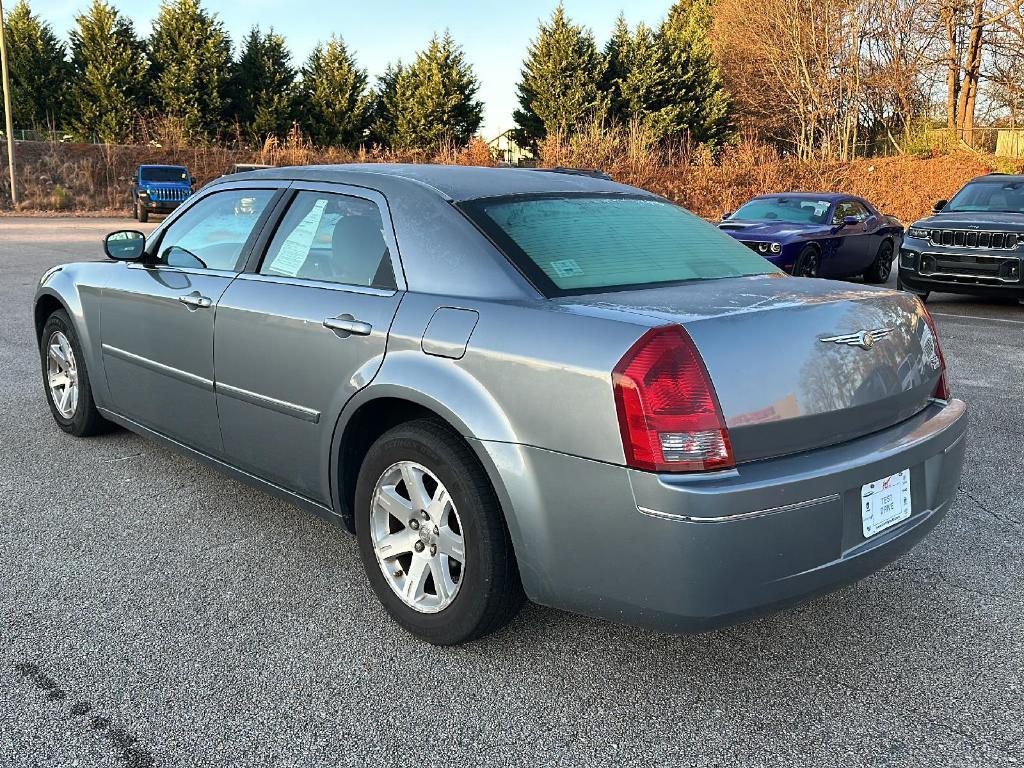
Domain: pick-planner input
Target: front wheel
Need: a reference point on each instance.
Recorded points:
(808, 263)
(881, 267)
(66, 379)
(141, 213)
(432, 536)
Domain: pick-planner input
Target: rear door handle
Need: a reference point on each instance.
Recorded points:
(196, 301)
(348, 324)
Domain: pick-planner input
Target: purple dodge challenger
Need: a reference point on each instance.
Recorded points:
(818, 234)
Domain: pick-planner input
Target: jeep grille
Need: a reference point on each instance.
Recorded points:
(971, 238)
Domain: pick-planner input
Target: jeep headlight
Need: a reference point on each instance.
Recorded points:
(919, 233)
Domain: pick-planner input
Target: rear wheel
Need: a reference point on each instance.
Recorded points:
(881, 267)
(808, 263)
(66, 379)
(432, 536)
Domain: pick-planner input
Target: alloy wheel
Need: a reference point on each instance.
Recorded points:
(417, 537)
(885, 262)
(62, 374)
(809, 266)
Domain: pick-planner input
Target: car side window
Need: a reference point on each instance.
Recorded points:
(331, 238)
(850, 208)
(212, 233)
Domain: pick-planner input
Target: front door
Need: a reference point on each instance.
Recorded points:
(296, 338)
(851, 243)
(156, 324)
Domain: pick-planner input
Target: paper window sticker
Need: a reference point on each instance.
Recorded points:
(566, 268)
(295, 248)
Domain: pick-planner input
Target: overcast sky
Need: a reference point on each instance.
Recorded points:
(494, 35)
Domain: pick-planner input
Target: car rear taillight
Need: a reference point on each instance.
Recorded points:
(942, 387)
(669, 414)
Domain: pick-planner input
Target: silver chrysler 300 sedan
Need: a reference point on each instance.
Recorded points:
(511, 381)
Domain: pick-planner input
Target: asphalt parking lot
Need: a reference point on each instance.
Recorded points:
(154, 612)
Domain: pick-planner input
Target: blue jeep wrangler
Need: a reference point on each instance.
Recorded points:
(159, 189)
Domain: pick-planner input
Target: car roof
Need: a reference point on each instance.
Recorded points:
(1013, 178)
(454, 182)
(830, 196)
(162, 165)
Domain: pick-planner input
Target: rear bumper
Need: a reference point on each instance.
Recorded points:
(686, 553)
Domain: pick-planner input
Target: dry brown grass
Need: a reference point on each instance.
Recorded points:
(905, 186)
(84, 177)
(91, 177)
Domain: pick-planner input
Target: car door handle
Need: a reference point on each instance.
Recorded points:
(196, 301)
(347, 324)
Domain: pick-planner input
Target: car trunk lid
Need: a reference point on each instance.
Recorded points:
(797, 364)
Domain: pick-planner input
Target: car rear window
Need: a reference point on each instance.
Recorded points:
(582, 244)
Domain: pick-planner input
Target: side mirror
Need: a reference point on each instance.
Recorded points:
(939, 205)
(124, 245)
(849, 221)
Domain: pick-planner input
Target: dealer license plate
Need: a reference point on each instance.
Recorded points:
(885, 502)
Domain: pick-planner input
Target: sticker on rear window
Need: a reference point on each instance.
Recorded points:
(566, 268)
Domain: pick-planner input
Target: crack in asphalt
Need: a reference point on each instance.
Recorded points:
(1012, 521)
(949, 582)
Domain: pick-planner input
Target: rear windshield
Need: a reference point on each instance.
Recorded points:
(164, 174)
(581, 244)
(992, 196)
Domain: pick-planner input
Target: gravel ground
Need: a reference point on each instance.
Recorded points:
(154, 612)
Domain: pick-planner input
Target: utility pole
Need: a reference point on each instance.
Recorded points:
(7, 106)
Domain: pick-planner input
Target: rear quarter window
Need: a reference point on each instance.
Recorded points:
(582, 244)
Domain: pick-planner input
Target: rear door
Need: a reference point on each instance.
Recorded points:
(157, 318)
(302, 330)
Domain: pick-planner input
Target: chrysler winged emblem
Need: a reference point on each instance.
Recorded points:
(864, 339)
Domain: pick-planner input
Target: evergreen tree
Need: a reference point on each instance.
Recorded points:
(700, 104)
(434, 99)
(38, 71)
(614, 68)
(644, 88)
(560, 82)
(190, 57)
(384, 105)
(334, 98)
(263, 85)
(109, 80)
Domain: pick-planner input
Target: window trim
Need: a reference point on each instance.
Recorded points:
(259, 253)
(473, 210)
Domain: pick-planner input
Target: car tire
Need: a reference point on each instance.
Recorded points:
(922, 295)
(78, 414)
(481, 593)
(141, 213)
(808, 263)
(881, 267)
